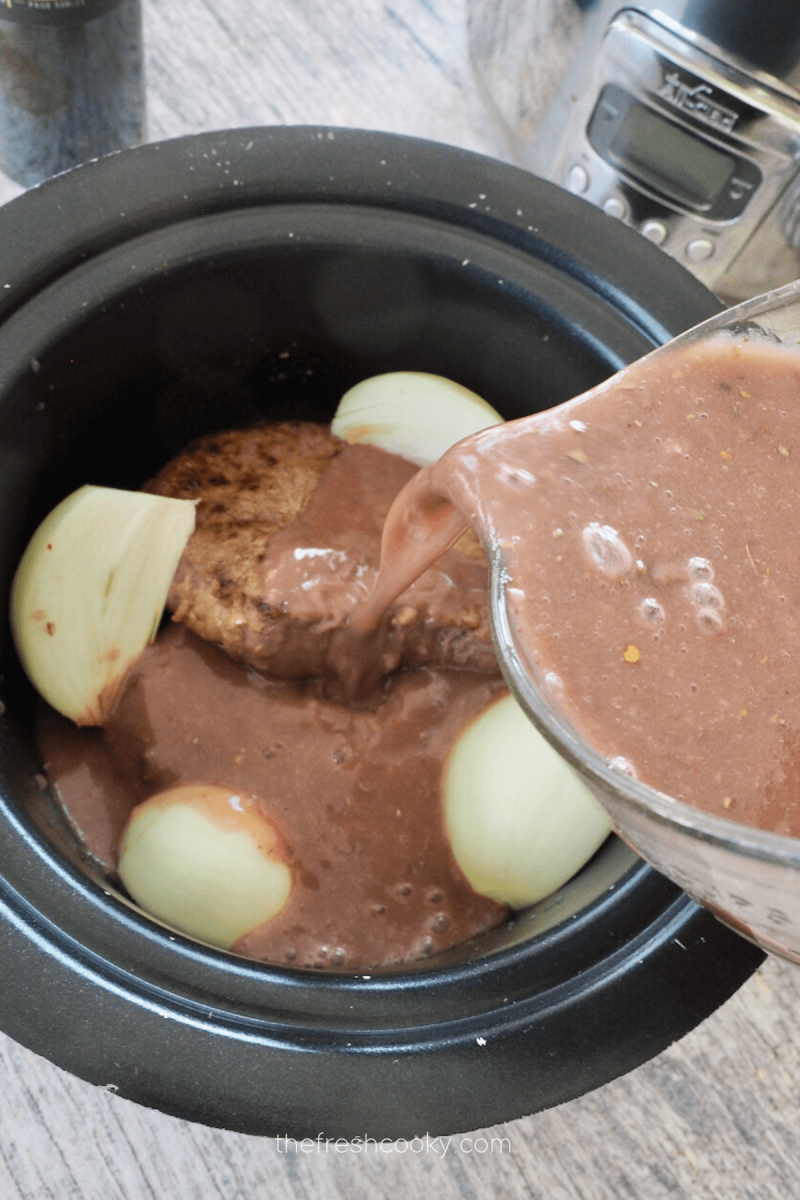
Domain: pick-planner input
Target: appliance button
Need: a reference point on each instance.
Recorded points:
(577, 180)
(699, 249)
(614, 207)
(655, 231)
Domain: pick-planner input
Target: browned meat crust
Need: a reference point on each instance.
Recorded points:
(243, 585)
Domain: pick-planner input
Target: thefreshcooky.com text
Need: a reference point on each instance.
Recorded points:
(438, 1146)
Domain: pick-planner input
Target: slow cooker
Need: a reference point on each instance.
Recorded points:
(216, 280)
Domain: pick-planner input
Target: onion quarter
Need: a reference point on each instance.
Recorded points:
(205, 861)
(412, 414)
(520, 821)
(90, 591)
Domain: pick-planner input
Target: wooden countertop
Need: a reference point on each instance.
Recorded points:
(715, 1116)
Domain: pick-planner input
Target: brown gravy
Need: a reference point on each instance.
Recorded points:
(355, 792)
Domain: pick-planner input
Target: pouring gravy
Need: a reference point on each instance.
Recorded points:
(649, 535)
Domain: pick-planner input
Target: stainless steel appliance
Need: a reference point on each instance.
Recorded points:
(680, 118)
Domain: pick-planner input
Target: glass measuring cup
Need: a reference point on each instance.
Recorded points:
(748, 877)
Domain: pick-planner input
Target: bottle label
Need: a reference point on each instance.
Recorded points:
(55, 12)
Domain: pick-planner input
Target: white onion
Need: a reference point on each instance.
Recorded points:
(205, 861)
(90, 591)
(520, 821)
(412, 414)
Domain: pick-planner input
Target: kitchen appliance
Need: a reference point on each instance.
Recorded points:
(182, 287)
(680, 118)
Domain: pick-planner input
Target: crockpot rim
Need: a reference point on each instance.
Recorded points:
(425, 187)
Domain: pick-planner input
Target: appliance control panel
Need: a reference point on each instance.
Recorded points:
(687, 148)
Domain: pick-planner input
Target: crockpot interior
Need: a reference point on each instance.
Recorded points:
(159, 341)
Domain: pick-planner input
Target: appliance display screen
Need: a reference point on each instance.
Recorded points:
(664, 157)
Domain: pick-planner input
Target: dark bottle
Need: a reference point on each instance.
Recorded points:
(71, 85)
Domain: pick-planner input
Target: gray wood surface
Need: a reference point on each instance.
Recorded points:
(717, 1115)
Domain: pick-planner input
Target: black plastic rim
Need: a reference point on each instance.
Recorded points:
(583, 988)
